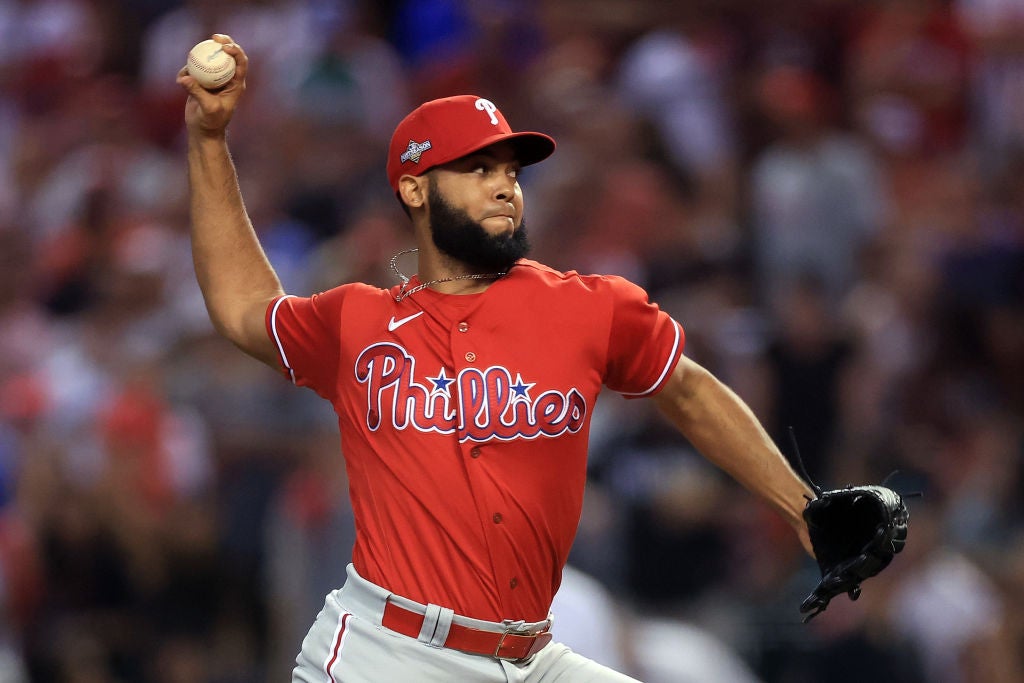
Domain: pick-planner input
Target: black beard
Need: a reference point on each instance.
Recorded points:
(463, 239)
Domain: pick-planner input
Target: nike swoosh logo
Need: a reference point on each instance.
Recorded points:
(395, 324)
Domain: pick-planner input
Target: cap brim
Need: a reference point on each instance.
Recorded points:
(530, 147)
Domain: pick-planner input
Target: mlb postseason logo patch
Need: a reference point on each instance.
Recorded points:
(414, 150)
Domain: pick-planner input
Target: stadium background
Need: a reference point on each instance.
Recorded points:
(828, 194)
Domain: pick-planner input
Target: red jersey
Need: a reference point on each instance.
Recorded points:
(464, 422)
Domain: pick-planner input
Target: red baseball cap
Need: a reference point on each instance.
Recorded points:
(446, 129)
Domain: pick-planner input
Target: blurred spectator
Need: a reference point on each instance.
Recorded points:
(816, 196)
(356, 78)
(679, 77)
(996, 31)
(806, 364)
(909, 77)
(671, 651)
(655, 650)
(952, 612)
(310, 533)
(591, 622)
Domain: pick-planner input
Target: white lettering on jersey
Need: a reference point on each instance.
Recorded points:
(479, 405)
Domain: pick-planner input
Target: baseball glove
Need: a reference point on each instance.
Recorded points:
(855, 532)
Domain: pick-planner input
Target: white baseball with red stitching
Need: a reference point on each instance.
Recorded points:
(210, 65)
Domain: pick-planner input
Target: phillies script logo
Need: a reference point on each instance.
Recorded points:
(479, 405)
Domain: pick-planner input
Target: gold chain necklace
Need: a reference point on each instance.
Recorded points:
(403, 292)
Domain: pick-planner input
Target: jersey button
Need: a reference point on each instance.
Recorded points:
(471, 356)
(496, 518)
(463, 327)
(474, 452)
(513, 583)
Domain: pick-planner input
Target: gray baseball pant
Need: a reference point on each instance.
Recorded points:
(348, 644)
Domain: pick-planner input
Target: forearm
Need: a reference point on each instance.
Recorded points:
(721, 426)
(232, 270)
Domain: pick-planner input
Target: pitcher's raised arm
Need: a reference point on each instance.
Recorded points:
(234, 274)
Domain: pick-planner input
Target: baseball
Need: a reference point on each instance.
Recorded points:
(210, 65)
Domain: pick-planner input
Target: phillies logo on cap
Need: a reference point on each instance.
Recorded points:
(414, 150)
(487, 106)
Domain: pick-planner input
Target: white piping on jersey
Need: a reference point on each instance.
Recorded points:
(668, 367)
(277, 338)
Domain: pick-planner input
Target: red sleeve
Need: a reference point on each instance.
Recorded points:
(307, 334)
(644, 342)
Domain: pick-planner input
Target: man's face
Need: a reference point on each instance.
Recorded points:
(476, 210)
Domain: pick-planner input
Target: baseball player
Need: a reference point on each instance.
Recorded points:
(464, 396)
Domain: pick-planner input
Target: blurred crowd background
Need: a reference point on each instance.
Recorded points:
(827, 194)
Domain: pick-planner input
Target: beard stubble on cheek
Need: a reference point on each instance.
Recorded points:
(460, 237)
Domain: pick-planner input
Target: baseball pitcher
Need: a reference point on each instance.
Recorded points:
(464, 396)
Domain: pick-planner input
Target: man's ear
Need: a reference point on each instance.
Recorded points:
(413, 190)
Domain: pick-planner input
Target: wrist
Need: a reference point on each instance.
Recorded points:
(792, 506)
(207, 141)
(200, 134)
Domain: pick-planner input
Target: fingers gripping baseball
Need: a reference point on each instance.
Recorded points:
(210, 111)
